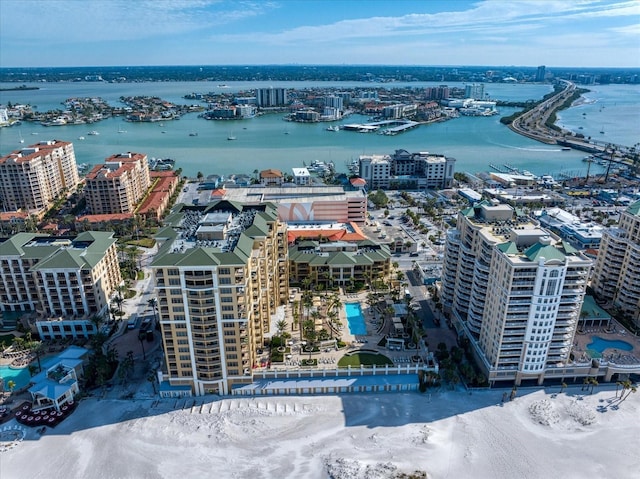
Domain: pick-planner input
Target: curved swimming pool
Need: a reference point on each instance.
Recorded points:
(600, 344)
(20, 376)
(355, 319)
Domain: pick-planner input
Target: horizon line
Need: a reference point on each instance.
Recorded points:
(323, 65)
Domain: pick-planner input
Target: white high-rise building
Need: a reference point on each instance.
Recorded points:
(515, 291)
(616, 276)
(376, 169)
(475, 91)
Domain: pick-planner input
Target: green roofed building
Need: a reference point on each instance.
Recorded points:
(515, 291)
(217, 293)
(339, 262)
(64, 280)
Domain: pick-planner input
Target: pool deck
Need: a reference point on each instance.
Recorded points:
(328, 358)
(612, 355)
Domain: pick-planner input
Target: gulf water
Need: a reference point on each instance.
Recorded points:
(270, 142)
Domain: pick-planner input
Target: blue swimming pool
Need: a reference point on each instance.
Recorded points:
(600, 344)
(355, 319)
(19, 376)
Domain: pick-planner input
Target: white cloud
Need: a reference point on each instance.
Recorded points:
(65, 21)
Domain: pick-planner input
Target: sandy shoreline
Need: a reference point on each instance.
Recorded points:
(447, 435)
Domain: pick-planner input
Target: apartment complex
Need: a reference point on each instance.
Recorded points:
(64, 280)
(32, 178)
(339, 262)
(271, 97)
(616, 275)
(420, 170)
(117, 185)
(515, 291)
(216, 297)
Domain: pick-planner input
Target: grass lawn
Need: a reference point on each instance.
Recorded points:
(367, 359)
(6, 340)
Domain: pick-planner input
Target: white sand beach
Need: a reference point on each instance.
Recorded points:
(448, 434)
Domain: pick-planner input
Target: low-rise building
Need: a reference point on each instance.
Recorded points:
(339, 262)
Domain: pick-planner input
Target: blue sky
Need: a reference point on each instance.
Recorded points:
(569, 33)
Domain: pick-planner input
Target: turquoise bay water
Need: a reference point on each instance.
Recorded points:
(355, 319)
(600, 344)
(270, 142)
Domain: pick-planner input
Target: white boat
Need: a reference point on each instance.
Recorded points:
(81, 138)
(93, 133)
(333, 128)
(21, 139)
(120, 130)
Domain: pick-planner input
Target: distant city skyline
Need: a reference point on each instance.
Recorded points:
(588, 33)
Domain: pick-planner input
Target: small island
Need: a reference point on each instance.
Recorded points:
(20, 88)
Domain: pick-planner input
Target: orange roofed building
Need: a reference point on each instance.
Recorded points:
(32, 178)
(117, 185)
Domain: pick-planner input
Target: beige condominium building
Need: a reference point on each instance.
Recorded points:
(32, 178)
(339, 262)
(616, 276)
(216, 296)
(117, 185)
(65, 281)
(515, 291)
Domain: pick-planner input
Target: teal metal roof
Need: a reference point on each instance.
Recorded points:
(548, 252)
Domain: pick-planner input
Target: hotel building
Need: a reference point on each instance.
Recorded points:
(117, 185)
(216, 298)
(376, 169)
(64, 280)
(616, 276)
(431, 171)
(515, 291)
(32, 178)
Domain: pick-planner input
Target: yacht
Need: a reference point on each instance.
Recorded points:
(333, 128)
(231, 137)
(93, 133)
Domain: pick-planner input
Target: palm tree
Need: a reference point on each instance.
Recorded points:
(11, 384)
(629, 387)
(281, 325)
(153, 302)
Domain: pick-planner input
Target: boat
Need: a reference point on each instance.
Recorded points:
(81, 138)
(21, 139)
(333, 128)
(231, 137)
(193, 133)
(93, 133)
(566, 148)
(120, 130)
